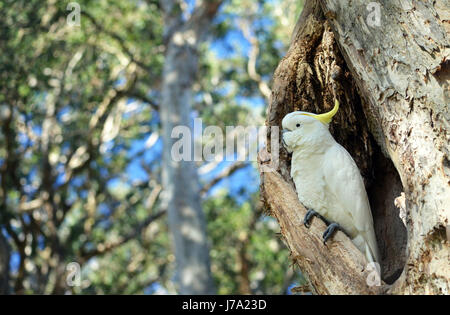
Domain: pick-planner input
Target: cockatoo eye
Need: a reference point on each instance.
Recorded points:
(297, 125)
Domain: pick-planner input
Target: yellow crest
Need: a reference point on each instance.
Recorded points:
(326, 117)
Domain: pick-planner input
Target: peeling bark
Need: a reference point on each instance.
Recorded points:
(336, 268)
(392, 82)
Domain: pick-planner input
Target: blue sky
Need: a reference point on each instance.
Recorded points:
(239, 185)
(245, 179)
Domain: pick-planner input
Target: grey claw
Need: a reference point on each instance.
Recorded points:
(308, 216)
(329, 232)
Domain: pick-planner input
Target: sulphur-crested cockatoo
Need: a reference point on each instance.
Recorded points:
(327, 179)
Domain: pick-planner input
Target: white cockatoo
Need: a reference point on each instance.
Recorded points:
(327, 180)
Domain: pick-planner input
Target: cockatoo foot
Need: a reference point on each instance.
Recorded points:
(308, 217)
(330, 231)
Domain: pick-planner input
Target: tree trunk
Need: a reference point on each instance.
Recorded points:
(390, 72)
(181, 193)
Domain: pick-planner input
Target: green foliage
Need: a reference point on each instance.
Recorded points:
(242, 235)
(77, 104)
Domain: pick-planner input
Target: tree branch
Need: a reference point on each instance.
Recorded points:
(116, 37)
(202, 16)
(336, 268)
(102, 249)
(144, 98)
(252, 59)
(223, 174)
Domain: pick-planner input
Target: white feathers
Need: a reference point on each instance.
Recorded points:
(327, 179)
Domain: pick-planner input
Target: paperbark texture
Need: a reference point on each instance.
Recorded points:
(392, 80)
(181, 194)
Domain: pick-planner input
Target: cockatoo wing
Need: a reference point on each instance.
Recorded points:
(344, 181)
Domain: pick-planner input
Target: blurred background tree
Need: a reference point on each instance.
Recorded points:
(81, 151)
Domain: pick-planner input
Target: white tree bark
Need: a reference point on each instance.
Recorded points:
(181, 195)
(400, 67)
(393, 79)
